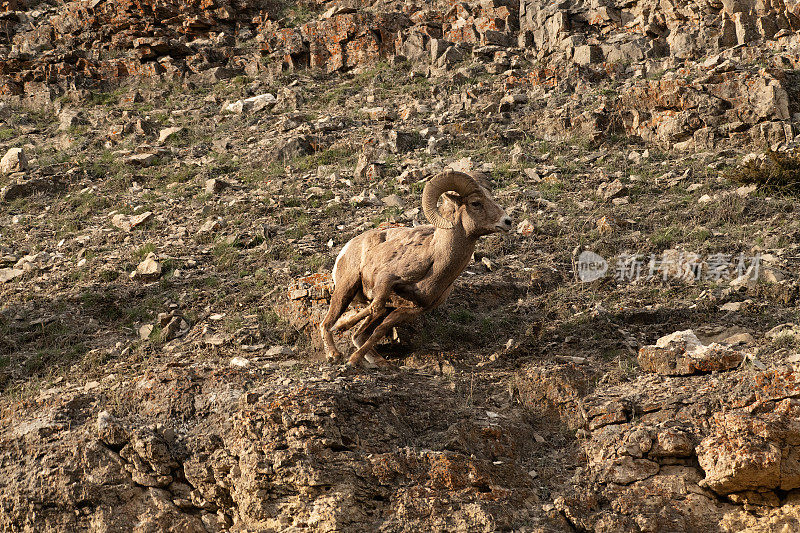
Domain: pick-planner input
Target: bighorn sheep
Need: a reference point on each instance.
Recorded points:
(403, 272)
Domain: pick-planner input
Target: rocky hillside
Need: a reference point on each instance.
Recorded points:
(177, 177)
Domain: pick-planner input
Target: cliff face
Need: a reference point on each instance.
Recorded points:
(178, 176)
(680, 69)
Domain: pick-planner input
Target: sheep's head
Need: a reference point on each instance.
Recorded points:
(472, 206)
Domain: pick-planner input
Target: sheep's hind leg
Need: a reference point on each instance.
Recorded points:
(341, 298)
(367, 327)
(381, 291)
(399, 315)
(362, 334)
(344, 325)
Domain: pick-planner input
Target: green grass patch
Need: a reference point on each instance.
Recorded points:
(6, 134)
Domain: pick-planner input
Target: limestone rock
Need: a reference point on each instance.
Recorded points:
(587, 54)
(14, 160)
(169, 133)
(216, 185)
(8, 274)
(147, 270)
(252, 104)
(142, 160)
(681, 353)
(129, 222)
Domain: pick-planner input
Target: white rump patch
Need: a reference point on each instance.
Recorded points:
(336, 263)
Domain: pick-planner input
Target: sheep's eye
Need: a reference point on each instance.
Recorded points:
(476, 204)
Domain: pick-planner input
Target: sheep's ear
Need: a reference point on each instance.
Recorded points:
(453, 197)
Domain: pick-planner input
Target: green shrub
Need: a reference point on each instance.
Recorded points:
(779, 173)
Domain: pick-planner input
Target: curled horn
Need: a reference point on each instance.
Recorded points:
(449, 180)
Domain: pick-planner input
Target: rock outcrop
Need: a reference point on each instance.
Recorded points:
(325, 453)
(685, 75)
(681, 452)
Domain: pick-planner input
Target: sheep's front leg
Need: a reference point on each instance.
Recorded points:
(398, 316)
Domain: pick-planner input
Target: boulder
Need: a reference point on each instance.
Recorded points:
(14, 160)
(681, 353)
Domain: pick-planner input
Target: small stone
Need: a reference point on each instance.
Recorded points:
(216, 185)
(68, 119)
(254, 103)
(365, 200)
(401, 142)
(240, 362)
(526, 228)
(739, 338)
(755, 362)
(221, 145)
(746, 190)
(754, 159)
(572, 359)
(686, 337)
(518, 155)
(168, 133)
(606, 225)
(175, 327)
(14, 161)
(532, 175)
(142, 160)
(378, 113)
(128, 223)
(145, 331)
(275, 351)
(731, 306)
(682, 353)
(214, 340)
(252, 347)
(393, 200)
(367, 169)
(771, 275)
(110, 431)
(210, 226)
(104, 420)
(705, 199)
(216, 74)
(787, 328)
(28, 187)
(296, 294)
(148, 270)
(612, 190)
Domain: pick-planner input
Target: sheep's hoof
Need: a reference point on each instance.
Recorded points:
(376, 361)
(333, 356)
(354, 362)
(371, 360)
